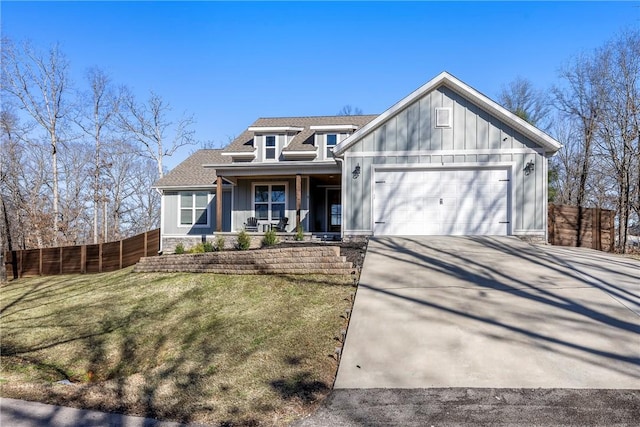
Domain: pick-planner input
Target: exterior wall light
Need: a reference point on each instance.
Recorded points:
(356, 172)
(529, 167)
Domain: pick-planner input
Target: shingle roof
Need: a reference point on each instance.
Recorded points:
(302, 141)
(191, 173)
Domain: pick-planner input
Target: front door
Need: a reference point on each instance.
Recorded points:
(334, 209)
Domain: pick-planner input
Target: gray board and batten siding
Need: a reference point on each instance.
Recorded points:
(170, 220)
(476, 139)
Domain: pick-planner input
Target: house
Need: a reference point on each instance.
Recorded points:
(443, 160)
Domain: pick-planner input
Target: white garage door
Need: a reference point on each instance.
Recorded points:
(441, 202)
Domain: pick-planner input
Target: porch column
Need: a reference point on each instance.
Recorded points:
(219, 204)
(298, 199)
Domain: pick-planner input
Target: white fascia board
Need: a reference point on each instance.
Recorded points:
(333, 127)
(275, 129)
(191, 187)
(548, 143)
(240, 154)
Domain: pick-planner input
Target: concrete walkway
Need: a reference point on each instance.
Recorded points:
(20, 413)
(440, 312)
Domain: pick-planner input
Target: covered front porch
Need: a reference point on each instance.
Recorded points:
(306, 195)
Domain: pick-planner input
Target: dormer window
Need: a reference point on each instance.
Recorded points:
(270, 147)
(332, 140)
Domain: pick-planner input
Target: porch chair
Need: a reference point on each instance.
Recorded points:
(251, 224)
(281, 226)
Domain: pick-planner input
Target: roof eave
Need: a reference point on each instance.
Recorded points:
(240, 154)
(184, 186)
(300, 154)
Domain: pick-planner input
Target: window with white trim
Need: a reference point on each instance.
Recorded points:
(270, 147)
(270, 201)
(330, 143)
(193, 208)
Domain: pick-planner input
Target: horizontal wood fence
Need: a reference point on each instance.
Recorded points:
(582, 227)
(96, 258)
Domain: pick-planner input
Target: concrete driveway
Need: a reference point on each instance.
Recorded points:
(437, 312)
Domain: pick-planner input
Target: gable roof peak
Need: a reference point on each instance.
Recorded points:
(484, 102)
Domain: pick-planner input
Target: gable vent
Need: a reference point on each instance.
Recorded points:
(443, 117)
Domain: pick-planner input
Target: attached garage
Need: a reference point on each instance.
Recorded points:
(445, 160)
(464, 201)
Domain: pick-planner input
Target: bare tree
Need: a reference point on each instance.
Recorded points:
(524, 100)
(10, 172)
(580, 101)
(149, 125)
(39, 84)
(25, 175)
(141, 210)
(567, 161)
(600, 104)
(349, 110)
(76, 168)
(97, 113)
(619, 131)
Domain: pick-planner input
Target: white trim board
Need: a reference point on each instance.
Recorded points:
(472, 152)
(418, 166)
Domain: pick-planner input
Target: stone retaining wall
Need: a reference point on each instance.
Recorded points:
(290, 260)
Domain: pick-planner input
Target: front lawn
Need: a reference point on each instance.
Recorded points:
(229, 350)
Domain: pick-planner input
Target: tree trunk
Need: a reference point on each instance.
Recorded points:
(54, 165)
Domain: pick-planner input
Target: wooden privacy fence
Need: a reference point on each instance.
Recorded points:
(582, 227)
(96, 258)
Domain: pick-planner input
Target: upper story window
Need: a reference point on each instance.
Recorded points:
(332, 140)
(270, 147)
(193, 209)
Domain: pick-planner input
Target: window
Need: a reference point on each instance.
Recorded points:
(332, 140)
(270, 201)
(336, 215)
(270, 147)
(193, 208)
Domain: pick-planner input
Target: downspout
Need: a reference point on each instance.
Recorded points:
(545, 195)
(161, 218)
(343, 192)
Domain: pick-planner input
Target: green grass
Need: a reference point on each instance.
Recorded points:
(233, 350)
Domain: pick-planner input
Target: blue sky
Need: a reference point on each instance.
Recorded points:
(230, 63)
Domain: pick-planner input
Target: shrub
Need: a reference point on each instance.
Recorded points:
(299, 234)
(243, 241)
(219, 243)
(179, 249)
(270, 238)
(201, 248)
(197, 249)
